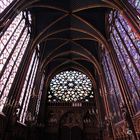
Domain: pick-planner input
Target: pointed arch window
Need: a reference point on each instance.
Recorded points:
(28, 87)
(114, 94)
(40, 94)
(13, 43)
(127, 47)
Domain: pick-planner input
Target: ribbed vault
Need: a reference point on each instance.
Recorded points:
(70, 34)
(50, 48)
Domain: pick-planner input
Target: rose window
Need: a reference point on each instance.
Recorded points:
(70, 86)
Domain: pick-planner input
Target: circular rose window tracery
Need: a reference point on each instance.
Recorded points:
(70, 86)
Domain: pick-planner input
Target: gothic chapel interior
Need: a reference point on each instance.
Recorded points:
(69, 69)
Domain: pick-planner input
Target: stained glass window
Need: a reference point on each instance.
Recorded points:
(70, 86)
(40, 94)
(28, 88)
(4, 4)
(114, 94)
(135, 4)
(127, 47)
(13, 44)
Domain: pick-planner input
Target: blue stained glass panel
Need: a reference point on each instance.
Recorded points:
(126, 46)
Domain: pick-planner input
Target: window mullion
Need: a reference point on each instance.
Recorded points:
(28, 80)
(109, 85)
(113, 84)
(129, 36)
(7, 7)
(127, 95)
(127, 51)
(11, 53)
(40, 94)
(34, 83)
(12, 97)
(126, 66)
(10, 72)
(10, 37)
(130, 76)
(30, 90)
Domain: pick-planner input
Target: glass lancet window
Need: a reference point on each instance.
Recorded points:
(70, 86)
(4, 4)
(13, 44)
(40, 94)
(28, 87)
(127, 47)
(114, 95)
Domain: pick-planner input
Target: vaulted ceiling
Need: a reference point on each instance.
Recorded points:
(69, 33)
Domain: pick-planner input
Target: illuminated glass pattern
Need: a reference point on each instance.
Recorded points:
(28, 87)
(70, 86)
(13, 44)
(127, 46)
(40, 94)
(135, 4)
(114, 93)
(4, 4)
